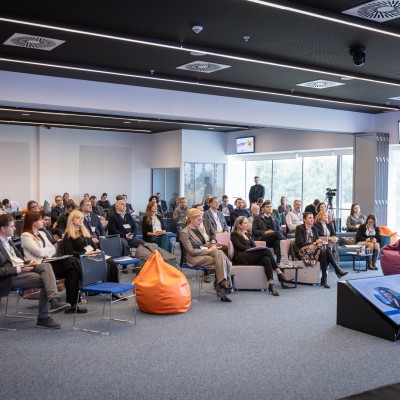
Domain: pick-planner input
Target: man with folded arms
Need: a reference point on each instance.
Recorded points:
(16, 272)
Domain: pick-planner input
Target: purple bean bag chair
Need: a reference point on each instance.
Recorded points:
(390, 259)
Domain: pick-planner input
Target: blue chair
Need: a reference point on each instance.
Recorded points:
(94, 276)
(111, 245)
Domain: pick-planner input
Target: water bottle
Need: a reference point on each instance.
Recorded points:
(282, 263)
(363, 249)
(290, 262)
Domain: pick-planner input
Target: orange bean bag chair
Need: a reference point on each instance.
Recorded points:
(162, 288)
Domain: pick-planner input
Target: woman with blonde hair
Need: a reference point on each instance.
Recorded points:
(78, 241)
(198, 252)
(153, 228)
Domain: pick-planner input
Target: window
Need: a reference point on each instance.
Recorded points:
(287, 181)
(394, 189)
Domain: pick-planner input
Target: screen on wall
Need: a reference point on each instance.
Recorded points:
(245, 145)
(383, 292)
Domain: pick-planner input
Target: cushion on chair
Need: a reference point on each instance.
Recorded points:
(162, 288)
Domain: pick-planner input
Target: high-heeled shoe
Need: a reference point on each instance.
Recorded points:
(339, 271)
(225, 299)
(119, 297)
(282, 278)
(272, 290)
(325, 284)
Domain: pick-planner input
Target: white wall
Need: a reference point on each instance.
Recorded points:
(54, 163)
(166, 150)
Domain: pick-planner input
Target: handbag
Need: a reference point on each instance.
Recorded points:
(309, 254)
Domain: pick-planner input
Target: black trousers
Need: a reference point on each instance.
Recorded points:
(273, 239)
(262, 257)
(325, 258)
(112, 274)
(70, 270)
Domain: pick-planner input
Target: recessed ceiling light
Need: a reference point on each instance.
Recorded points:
(25, 114)
(197, 53)
(395, 98)
(127, 122)
(320, 84)
(346, 78)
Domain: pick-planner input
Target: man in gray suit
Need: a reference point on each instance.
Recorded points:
(216, 218)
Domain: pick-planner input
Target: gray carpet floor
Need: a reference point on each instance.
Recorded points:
(258, 346)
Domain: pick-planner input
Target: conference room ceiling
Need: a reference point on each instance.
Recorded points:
(250, 49)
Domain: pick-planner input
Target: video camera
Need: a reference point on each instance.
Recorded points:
(330, 192)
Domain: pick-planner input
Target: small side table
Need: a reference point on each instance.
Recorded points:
(296, 274)
(359, 256)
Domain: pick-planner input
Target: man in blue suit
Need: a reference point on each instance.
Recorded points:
(92, 221)
(216, 218)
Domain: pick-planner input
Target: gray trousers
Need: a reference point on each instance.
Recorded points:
(41, 277)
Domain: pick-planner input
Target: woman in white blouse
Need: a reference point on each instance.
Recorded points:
(36, 246)
(153, 228)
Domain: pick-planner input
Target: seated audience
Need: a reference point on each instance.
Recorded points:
(322, 207)
(226, 209)
(207, 199)
(153, 228)
(37, 247)
(242, 240)
(53, 234)
(1, 209)
(255, 212)
(16, 272)
(369, 234)
(295, 217)
(267, 228)
(180, 213)
(355, 219)
(312, 208)
(63, 217)
(129, 208)
(310, 248)
(92, 221)
(173, 203)
(57, 210)
(216, 218)
(260, 200)
(86, 196)
(284, 208)
(65, 198)
(98, 210)
(162, 207)
(32, 206)
(325, 228)
(10, 206)
(238, 211)
(103, 202)
(77, 241)
(122, 223)
(244, 207)
(199, 253)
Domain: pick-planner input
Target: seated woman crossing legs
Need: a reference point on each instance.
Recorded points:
(199, 253)
(242, 241)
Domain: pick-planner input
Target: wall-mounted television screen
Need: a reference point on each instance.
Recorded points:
(383, 292)
(245, 145)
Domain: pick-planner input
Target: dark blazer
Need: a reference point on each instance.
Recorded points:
(301, 237)
(96, 223)
(6, 269)
(260, 226)
(310, 208)
(55, 213)
(320, 229)
(238, 212)
(162, 207)
(116, 225)
(62, 221)
(230, 207)
(362, 236)
(240, 245)
(76, 247)
(99, 210)
(256, 191)
(146, 228)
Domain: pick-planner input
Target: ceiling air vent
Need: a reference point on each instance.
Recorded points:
(33, 42)
(203, 66)
(320, 84)
(378, 11)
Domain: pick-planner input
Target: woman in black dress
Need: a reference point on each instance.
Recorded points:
(242, 241)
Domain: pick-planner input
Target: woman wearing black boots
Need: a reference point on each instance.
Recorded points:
(242, 241)
(310, 248)
(370, 235)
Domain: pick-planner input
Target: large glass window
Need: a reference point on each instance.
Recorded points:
(202, 179)
(287, 181)
(394, 190)
(263, 169)
(346, 185)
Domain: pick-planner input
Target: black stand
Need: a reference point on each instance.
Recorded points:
(355, 312)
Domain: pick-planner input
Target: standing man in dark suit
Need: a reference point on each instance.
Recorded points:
(16, 272)
(57, 210)
(162, 207)
(256, 191)
(92, 221)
